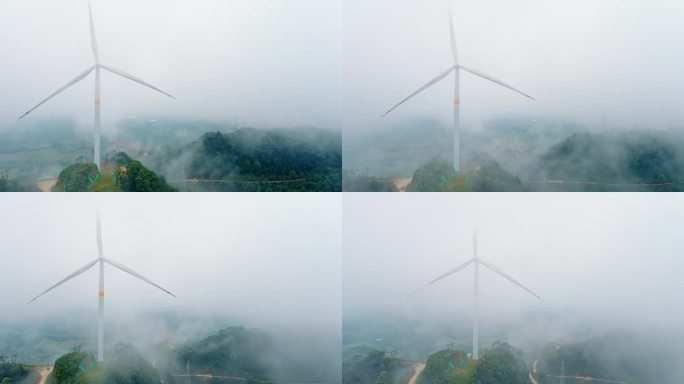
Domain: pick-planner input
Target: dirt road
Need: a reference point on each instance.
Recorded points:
(532, 380)
(401, 184)
(534, 369)
(417, 369)
(47, 184)
(44, 373)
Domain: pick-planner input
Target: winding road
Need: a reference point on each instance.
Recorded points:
(417, 369)
(534, 370)
(44, 373)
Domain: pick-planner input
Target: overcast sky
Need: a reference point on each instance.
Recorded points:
(263, 258)
(612, 259)
(265, 63)
(613, 61)
(334, 63)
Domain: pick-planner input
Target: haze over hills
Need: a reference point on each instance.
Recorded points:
(242, 306)
(382, 341)
(591, 68)
(517, 153)
(181, 151)
(604, 264)
(164, 342)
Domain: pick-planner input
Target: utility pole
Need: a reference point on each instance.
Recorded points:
(562, 375)
(187, 372)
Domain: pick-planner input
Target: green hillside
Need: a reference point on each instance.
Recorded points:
(12, 372)
(606, 162)
(448, 367)
(125, 365)
(619, 356)
(119, 173)
(303, 159)
(480, 174)
(374, 367)
(234, 351)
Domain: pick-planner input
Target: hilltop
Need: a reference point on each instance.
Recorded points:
(517, 155)
(500, 364)
(373, 366)
(119, 173)
(618, 356)
(182, 345)
(190, 155)
(301, 159)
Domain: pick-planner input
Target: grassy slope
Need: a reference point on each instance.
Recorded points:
(464, 374)
(438, 369)
(479, 175)
(93, 376)
(107, 181)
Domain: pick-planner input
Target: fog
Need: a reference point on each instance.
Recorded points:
(268, 262)
(611, 63)
(258, 63)
(602, 263)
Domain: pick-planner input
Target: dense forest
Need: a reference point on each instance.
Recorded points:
(615, 356)
(613, 161)
(304, 159)
(375, 367)
(13, 185)
(233, 351)
(11, 372)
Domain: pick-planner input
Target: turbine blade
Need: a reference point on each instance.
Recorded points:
(493, 79)
(440, 277)
(78, 272)
(132, 272)
(452, 35)
(69, 84)
(99, 234)
(93, 40)
(508, 277)
(431, 82)
(131, 77)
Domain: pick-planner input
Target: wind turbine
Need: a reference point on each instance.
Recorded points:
(476, 261)
(456, 67)
(101, 260)
(96, 67)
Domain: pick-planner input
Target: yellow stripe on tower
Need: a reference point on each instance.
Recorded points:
(457, 101)
(101, 294)
(98, 101)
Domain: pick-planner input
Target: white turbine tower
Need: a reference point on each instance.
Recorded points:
(101, 260)
(476, 261)
(96, 67)
(456, 67)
